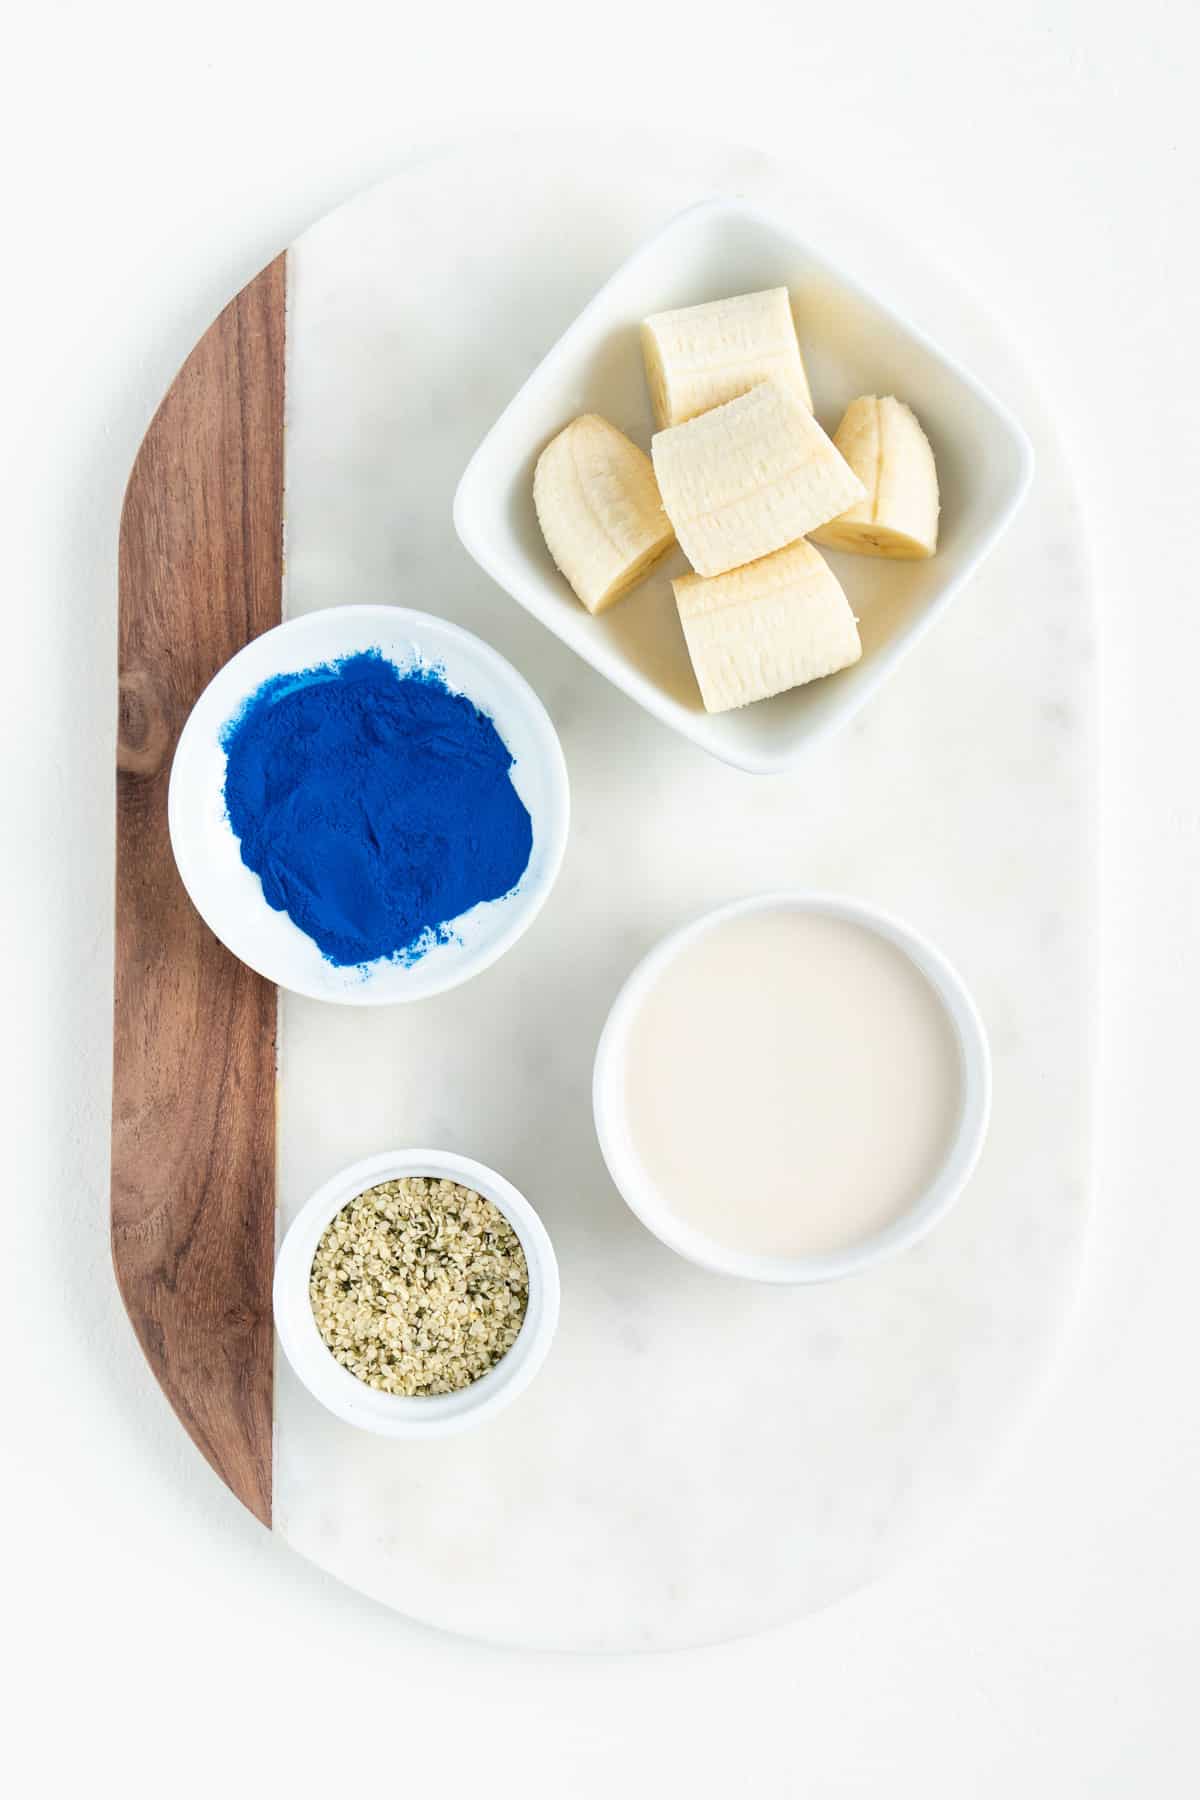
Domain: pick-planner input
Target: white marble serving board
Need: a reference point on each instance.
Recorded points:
(700, 1457)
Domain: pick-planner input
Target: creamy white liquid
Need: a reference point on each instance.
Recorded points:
(792, 1083)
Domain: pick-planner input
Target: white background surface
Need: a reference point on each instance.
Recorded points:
(157, 156)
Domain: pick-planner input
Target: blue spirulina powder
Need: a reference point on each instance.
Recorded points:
(374, 805)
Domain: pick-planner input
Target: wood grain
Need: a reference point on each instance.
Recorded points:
(193, 1158)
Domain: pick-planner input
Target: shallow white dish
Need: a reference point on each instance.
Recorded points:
(852, 344)
(229, 896)
(395, 1415)
(961, 1156)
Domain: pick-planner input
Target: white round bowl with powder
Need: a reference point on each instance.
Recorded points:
(229, 897)
(791, 1088)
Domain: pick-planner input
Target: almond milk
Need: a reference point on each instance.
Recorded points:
(792, 1083)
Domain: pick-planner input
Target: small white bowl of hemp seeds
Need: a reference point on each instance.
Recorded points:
(416, 1293)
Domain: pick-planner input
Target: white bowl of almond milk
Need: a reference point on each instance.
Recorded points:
(791, 1088)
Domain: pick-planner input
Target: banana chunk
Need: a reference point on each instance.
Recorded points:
(749, 477)
(599, 509)
(763, 629)
(883, 442)
(697, 357)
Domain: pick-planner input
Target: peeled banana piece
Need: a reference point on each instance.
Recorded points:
(749, 477)
(883, 442)
(697, 357)
(599, 509)
(771, 626)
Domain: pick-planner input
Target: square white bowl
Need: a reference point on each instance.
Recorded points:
(852, 344)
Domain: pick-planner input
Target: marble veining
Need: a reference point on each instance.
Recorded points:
(700, 1457)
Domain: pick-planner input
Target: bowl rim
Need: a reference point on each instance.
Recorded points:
(556, 822)
(396, 1415)
(511, 574)
(946, 1186)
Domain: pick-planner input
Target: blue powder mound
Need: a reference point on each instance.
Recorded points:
(375, 806)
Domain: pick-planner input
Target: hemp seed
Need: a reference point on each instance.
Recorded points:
(419, 1286)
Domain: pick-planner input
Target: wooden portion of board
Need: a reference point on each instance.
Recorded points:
(193, 1158)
